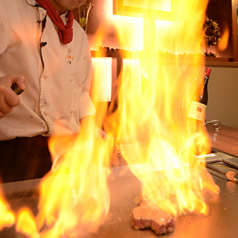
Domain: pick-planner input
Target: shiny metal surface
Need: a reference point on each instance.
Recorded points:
(221, 222)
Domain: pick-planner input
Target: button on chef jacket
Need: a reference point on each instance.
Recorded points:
(58, 75)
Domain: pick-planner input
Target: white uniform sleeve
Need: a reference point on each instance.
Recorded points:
(86, 106)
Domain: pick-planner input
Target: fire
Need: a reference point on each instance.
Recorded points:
(155, 91)
(26, 223)
(155, 115)
(224, 39)
(7, 217)
(74, 196)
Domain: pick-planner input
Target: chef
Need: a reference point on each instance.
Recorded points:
(45, 52)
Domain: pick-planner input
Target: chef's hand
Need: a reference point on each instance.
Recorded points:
(8, 98)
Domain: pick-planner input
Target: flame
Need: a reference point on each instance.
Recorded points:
(224, 39)
(74, 195)
(154, 115)
(156, 88)
(26, 223)
(7, 217)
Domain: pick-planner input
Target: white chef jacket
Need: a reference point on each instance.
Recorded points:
(58, 75)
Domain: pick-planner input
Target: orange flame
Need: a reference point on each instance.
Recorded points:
(224, 39)
(74, 196)
(155, 92)
(156, 117)
(26, 224)
(7, 217)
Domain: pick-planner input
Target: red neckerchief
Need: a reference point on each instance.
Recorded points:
(65, 31)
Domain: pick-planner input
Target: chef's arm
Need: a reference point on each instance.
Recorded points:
(9, 98)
